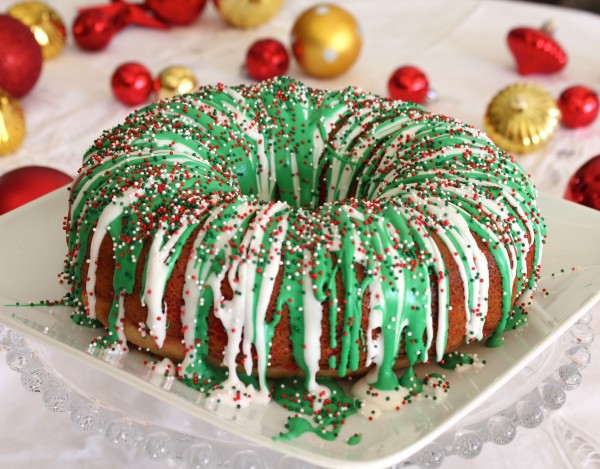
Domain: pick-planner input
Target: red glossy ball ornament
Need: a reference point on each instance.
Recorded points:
(578, 105)
(408, 83)
(93, 30)
(584, 185)
(180, 12)
(267, 58)
(20, 57)
(132, 83)
(22, 185)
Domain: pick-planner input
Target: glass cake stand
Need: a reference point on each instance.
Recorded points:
(535, 392)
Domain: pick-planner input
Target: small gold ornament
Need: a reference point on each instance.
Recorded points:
(175, 80)
(45, 24)
(12, 123)
(247, 13)
(326, 41)
(521, 118)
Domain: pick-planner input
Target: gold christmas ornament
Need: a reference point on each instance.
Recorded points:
(326, 40)
(45, 24)
(12, 123)
(247, 13)
(175, 80)
(521, 118)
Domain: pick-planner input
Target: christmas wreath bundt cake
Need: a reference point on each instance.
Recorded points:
(278, 230)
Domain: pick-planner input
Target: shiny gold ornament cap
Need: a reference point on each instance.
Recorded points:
(521, 118)
(175, 80)
(247, 13)
(46, 25)
(12, 123)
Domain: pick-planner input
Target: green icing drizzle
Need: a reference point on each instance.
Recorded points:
(324, 415)
(455, 359)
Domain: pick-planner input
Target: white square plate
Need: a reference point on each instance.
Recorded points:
(32, 250)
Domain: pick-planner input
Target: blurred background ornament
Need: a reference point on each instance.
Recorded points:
(326, 40)
(132, 83)
(20, 57)
(175, 80)
(535, 50)
(179, 12)
(247, 13)
(93, 30)
(584, 186)
(521, 118)
(578, 106)
(409, 83)
(45, 23)
(266, 58)
(12, 123)
(22, 185)
(95, 26)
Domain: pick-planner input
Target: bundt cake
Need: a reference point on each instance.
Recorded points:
(278, 230)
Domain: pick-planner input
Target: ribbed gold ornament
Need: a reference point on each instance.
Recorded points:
(521, 118)
(326, 41)
(12, 123)
(45, 24)
(247, 13)
(175, 80)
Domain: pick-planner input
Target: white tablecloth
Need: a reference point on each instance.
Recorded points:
(461, 45)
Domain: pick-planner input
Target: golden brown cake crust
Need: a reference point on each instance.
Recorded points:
(282, 360)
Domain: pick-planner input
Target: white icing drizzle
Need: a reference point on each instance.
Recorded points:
(110, 213)
(237, 314)
(376, 306)
(121, 321)
(157, 273)
(342, 171)
(193, 286)
(233, 393)
(161, 373)
(475, 264)
(254, 327)
(265, 184)
(313, 315)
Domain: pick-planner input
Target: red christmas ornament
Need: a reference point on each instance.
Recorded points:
(95, 26)
(535, 51)
(578, 105)
(408, 83)
(267, 58)
(93, 30)
(584, 185)
(123, 14)
(132, 83)
(179, 12)
(20, 186)
(20, 57)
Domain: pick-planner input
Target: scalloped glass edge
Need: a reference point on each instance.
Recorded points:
(120, 430)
